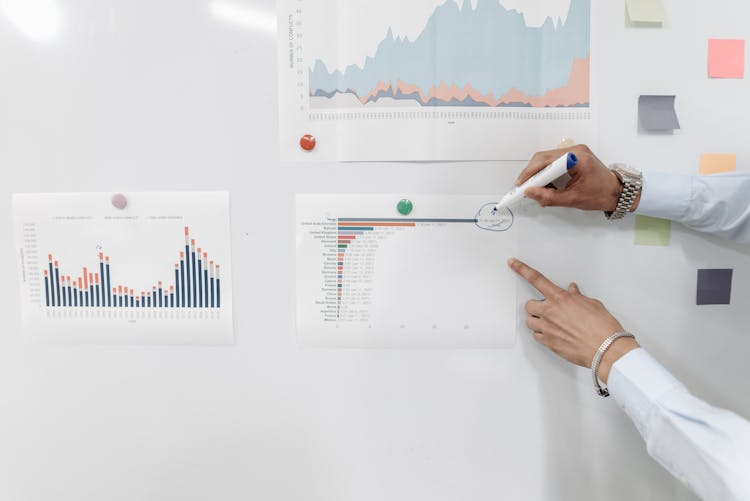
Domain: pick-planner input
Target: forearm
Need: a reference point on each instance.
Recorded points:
(718, 204)
(705, 447)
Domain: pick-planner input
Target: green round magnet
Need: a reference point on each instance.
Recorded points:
(404, 206)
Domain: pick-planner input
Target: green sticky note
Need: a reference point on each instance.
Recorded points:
(652, 231)
(645, 11)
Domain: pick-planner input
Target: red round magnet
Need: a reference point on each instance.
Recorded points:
(307, 142)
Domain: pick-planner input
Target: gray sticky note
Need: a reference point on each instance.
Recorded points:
(714, 286)
(657, 113)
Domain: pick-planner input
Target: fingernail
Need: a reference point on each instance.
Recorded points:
(511, 261)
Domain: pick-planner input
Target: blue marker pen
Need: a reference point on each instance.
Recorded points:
(541, 178)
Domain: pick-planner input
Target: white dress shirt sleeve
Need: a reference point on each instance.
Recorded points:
(717, 204)
(705, 447)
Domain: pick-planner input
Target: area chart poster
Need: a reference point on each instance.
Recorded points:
(433, 79)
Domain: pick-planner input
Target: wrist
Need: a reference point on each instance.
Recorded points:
(619, 349)
(631, 182)
(613, 190)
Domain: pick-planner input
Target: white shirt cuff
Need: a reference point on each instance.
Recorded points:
(636, 382)
(666, 196)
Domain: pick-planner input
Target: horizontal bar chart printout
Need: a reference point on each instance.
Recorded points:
(367, 281)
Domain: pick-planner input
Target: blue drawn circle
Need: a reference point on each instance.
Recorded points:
(504, 218)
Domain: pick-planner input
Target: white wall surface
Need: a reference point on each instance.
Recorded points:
(122, 95)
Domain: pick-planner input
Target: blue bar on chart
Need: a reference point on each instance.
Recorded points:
(192, 266)
(200, 279)
(57, 284)
(104, 284)
(108, 284)
(205, 279)
(182, 280)
(211, 264)
(218, 287)
(176, 286)
(187, 265)
(193, 283)
(86, 285)
(46, 288)
(52, 281)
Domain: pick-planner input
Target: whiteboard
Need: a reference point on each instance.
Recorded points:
(126, 96)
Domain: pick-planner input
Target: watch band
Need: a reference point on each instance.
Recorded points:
(631, 187)
(603, 391)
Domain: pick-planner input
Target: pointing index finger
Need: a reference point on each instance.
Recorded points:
(533, 277)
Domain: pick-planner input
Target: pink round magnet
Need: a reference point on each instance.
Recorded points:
(119, 201)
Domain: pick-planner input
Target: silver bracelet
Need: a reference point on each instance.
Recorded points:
(604, 392)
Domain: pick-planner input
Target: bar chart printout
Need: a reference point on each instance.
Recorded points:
(437, 279)
(94, 289)
(155, 274)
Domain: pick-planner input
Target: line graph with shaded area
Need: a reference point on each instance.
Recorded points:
(482, 56)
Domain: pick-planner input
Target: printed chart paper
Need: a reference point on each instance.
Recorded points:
(433, 79)
(156, 272)
(437, 278)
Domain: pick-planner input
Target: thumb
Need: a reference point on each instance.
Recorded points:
(573, 288)
(549, 197)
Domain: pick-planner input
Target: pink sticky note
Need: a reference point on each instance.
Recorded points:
(726, 58)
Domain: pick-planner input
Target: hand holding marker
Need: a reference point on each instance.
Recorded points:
(540, 179)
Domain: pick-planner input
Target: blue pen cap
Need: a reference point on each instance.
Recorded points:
(572, 160)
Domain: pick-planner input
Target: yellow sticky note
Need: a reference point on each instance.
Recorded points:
(645, 11)
(652, 231)
(714, 163)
